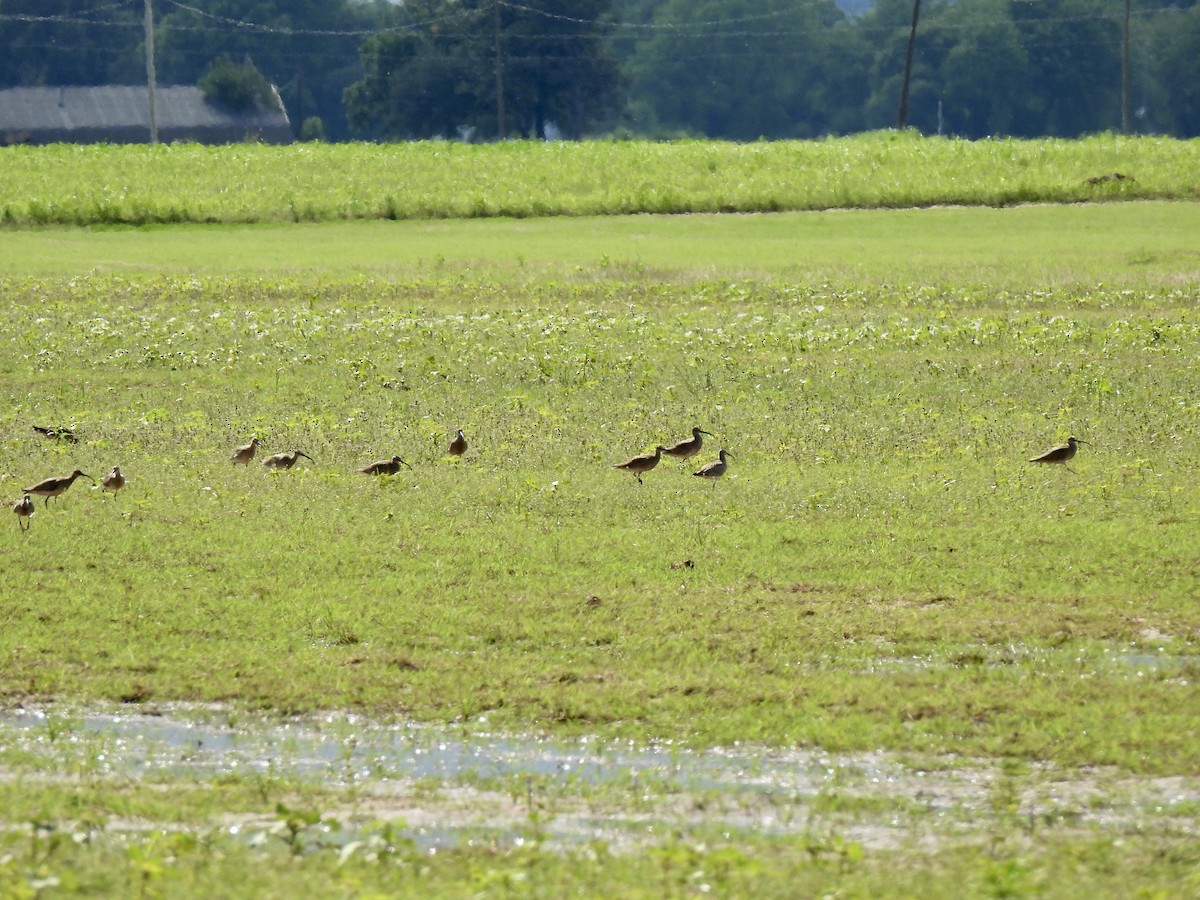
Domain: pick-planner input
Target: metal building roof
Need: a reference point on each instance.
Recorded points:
(120, 114)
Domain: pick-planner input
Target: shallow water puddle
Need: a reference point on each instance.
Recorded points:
(452, 784)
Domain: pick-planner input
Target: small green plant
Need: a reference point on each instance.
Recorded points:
(312, 129)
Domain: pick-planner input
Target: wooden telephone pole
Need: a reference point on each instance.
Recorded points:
(1125, 73)
(151, 78)
(499, 70)
(902, 116)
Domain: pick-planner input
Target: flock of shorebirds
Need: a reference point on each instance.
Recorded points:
(638, 466)
(51, 488)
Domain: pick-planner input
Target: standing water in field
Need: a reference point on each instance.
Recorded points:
(449, 784)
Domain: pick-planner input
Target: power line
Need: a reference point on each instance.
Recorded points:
(259, 27)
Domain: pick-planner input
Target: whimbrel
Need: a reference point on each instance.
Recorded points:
(458, 446)
(243, 454)
(640, 465)
(1063, 453)
(716, 468)
(57, 433)
(52, 487)
(24, 509)
(688, 447)
(113, 481)
(384, 467)
(286, 459)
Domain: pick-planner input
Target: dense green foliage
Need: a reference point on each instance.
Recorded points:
(485, 69)
(733, 69)
(79, 185)
(236, 86)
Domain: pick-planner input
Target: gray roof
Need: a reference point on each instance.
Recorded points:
(120, 114)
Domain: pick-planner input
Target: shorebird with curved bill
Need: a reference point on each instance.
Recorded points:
(385, 467)
(24, 510)
(113, 481)
(458, 446)
(52, 487)
(716, 468)
(688, 447)
(1062, 454)
(285, 460)
(243, 454)
(640, 465)
(59, 433)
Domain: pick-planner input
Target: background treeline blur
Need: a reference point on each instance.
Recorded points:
(730, 69)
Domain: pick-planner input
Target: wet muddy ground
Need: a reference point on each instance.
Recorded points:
(448, 785)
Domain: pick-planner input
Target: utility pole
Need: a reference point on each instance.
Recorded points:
(902, 117)
(150, 76)
(1125, 74)
(499, 70)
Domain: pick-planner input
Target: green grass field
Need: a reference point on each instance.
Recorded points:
(880, 571)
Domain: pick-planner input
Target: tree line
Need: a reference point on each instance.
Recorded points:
(728, 69)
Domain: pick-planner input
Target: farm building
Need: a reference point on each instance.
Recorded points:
(120, 114)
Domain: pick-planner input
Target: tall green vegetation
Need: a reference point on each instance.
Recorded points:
(189, 183)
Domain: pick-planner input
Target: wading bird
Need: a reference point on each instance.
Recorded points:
(24, 510)
(716, 468)
(640, 465)
(243, 454)
(1063, 453)
(52, 487)
(285, 460)
(384, 467)
(688, 447)
(60, 433)
(458, 446)
(113, 481)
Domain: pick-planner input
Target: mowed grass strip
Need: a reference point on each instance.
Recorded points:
(881, 568)
(991, 252)
(97, 185)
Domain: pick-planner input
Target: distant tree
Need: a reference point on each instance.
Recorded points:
(998, 67)
(886, 27)
(1073, 48)
(1175, 63)
(236, 86)
(419, 80)
(746, 69)
(443, 65)
(984, 73)
(70, 42)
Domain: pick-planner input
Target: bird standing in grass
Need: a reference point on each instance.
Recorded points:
(285, 460)
(716, 468)
(113, 481)
(52, 487)
(640, 465)
(458, 446)
(24, 510)
(57, 433)
(243, 454)
(1061, 454)
(384, 467)
(688, 447)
